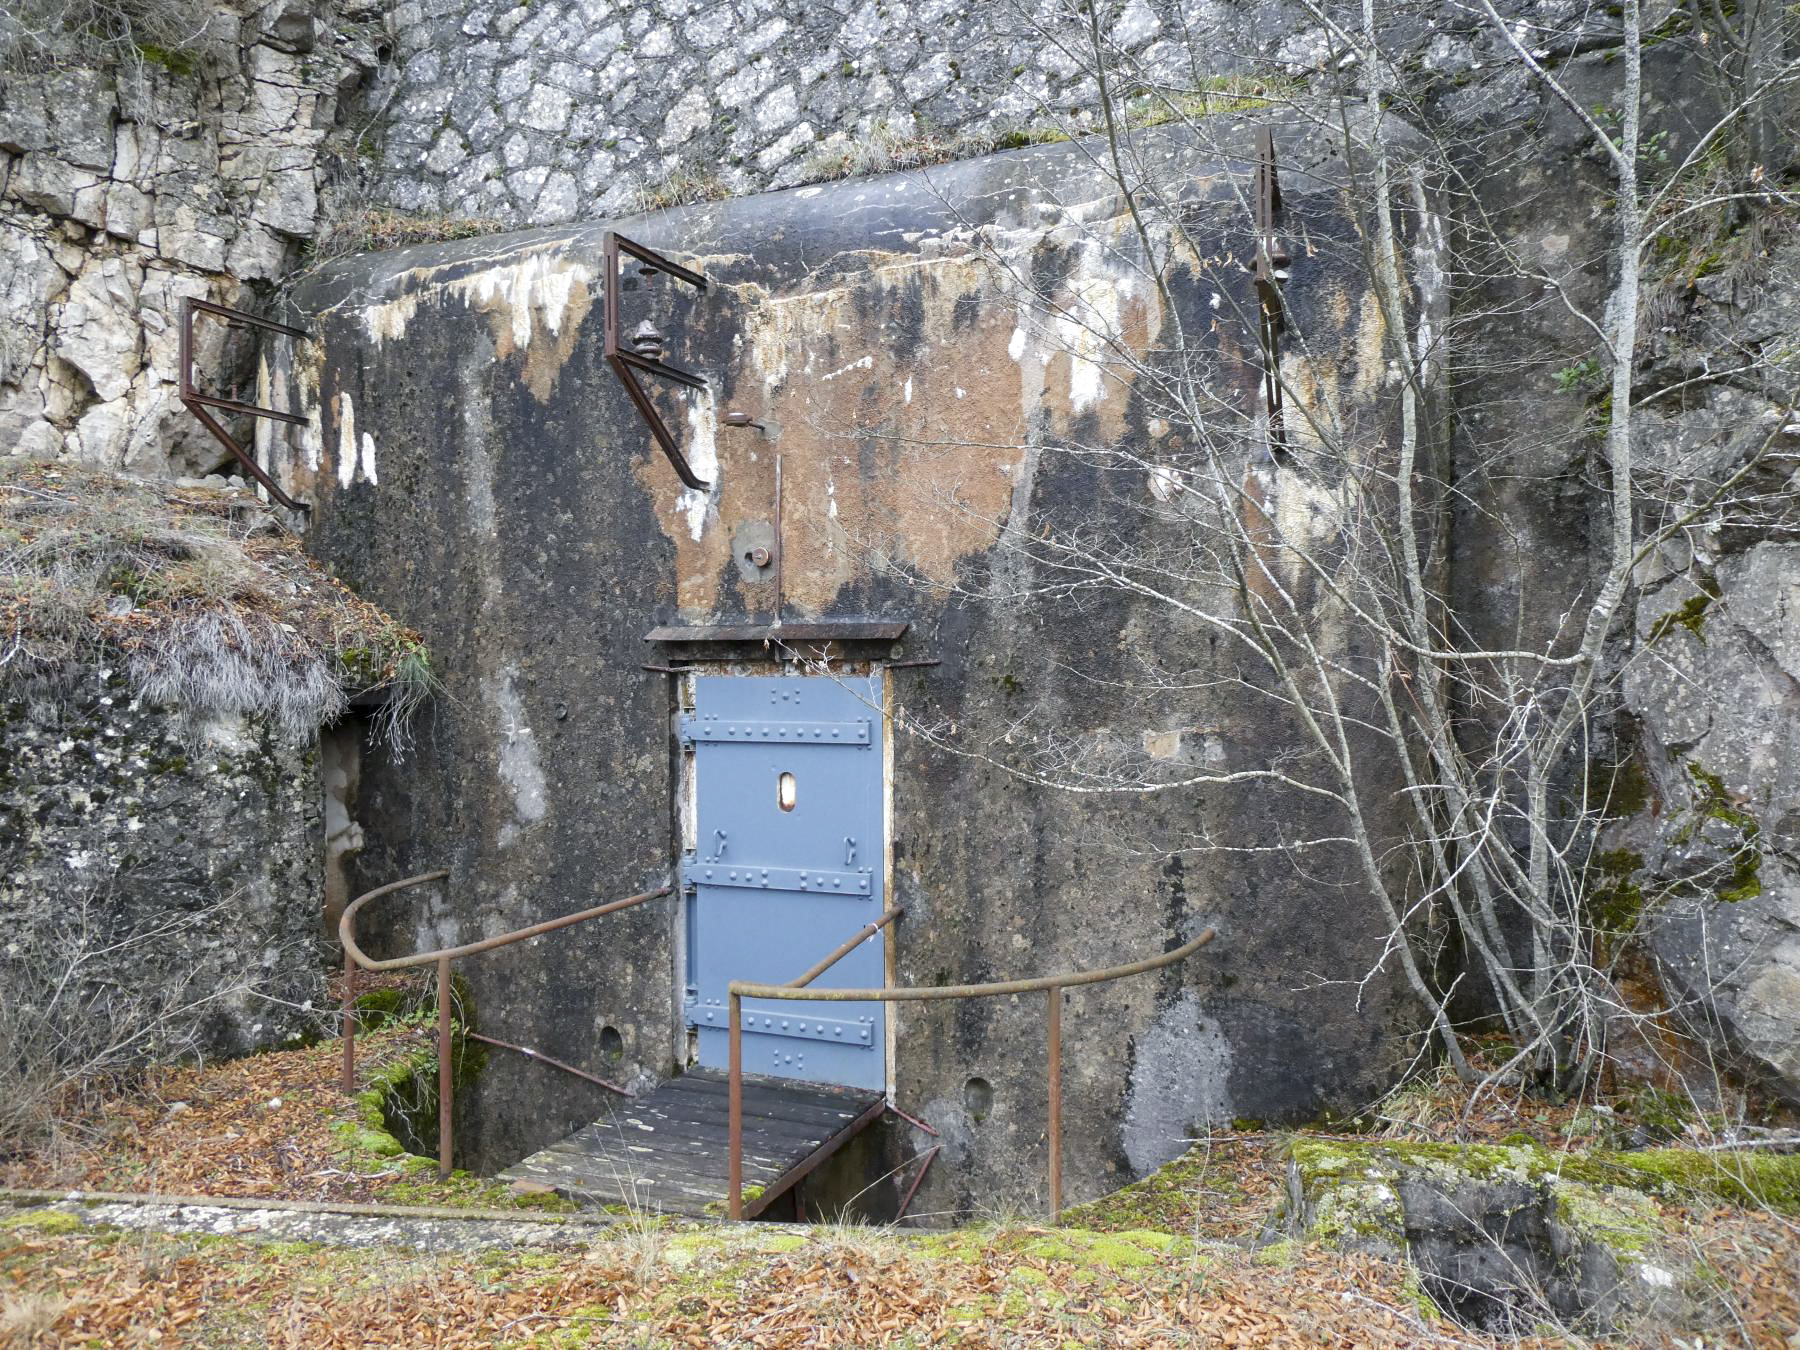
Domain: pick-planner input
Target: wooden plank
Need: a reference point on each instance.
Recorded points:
(670, 1150)
(794, 1174)
(678, 1110)
(777, 1155)
(689, 1123)
(700, 1170)
(689, 1151)
(563, 1173)
(790, 1088)
(829, 1112)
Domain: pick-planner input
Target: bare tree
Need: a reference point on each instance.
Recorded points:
(1311, 538)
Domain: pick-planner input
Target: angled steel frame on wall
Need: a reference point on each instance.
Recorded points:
(1272, 261)
(645, 352)
(198, 403)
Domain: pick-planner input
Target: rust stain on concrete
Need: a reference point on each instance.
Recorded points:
(900, 430)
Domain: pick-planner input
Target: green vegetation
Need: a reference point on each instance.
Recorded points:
(42, 1221)
(1744, 881)
(889, 147)
(119, 35)
(1759, 1179)
(1691, 615)
(1215, 95)
(175, 60)
(1580, 378)
(1614, 901)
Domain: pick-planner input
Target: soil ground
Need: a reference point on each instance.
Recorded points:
(1184, 1258)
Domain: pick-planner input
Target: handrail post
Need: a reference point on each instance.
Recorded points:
(1053, 1000)
(347, 1027)
(446, 1071)
(735, 1185)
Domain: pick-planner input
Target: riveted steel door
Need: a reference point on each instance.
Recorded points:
(787, 865)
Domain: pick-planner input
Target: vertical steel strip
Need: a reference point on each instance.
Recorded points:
(446, 1071)
(348, 1025)
(735, 1183)
(1053, 1010)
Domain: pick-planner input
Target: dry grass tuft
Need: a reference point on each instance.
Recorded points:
(24, 1317)
(210, 603)
(379, 228)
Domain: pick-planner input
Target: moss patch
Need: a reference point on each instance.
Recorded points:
(1758, 1179)
(1614, 899)
(43, 1221)
(1744, 880)
(1691, 615)
(1113, 1251)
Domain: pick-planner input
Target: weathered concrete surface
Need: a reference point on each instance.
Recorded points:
(478, 471)
(170, 873)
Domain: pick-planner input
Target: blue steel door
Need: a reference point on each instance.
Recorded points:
(787, 866)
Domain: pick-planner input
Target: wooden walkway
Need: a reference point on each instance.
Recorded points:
(669, 1151)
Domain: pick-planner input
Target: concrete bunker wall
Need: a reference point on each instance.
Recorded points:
(478, 471)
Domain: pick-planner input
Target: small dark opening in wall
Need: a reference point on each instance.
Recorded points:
(978, 1099)
(612, 1044)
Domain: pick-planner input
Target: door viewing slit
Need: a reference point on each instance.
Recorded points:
(787, 865)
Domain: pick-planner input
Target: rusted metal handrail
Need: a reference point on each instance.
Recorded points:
(1051, 985)
(863, 934)
(354, 956)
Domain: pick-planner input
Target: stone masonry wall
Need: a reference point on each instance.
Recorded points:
(561, 110)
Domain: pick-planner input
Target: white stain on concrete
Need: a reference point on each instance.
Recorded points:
(346, 466)
(1179, 1085)
(865, 363)
(1084, 321)
(368, 458)
(534, 290)
(387, 321)
(702, 452)
(532, 294)
(518, 765)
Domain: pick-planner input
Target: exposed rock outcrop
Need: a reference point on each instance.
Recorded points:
(1509, 1237)
(125, 189)
(159, 882)
(1713, 681)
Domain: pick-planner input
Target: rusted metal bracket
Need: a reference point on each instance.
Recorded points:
(1272, 262)
(197, 403)
(645, 350)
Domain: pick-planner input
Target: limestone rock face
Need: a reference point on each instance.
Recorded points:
(171, 870)
(1713, 680)
(122, 191)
